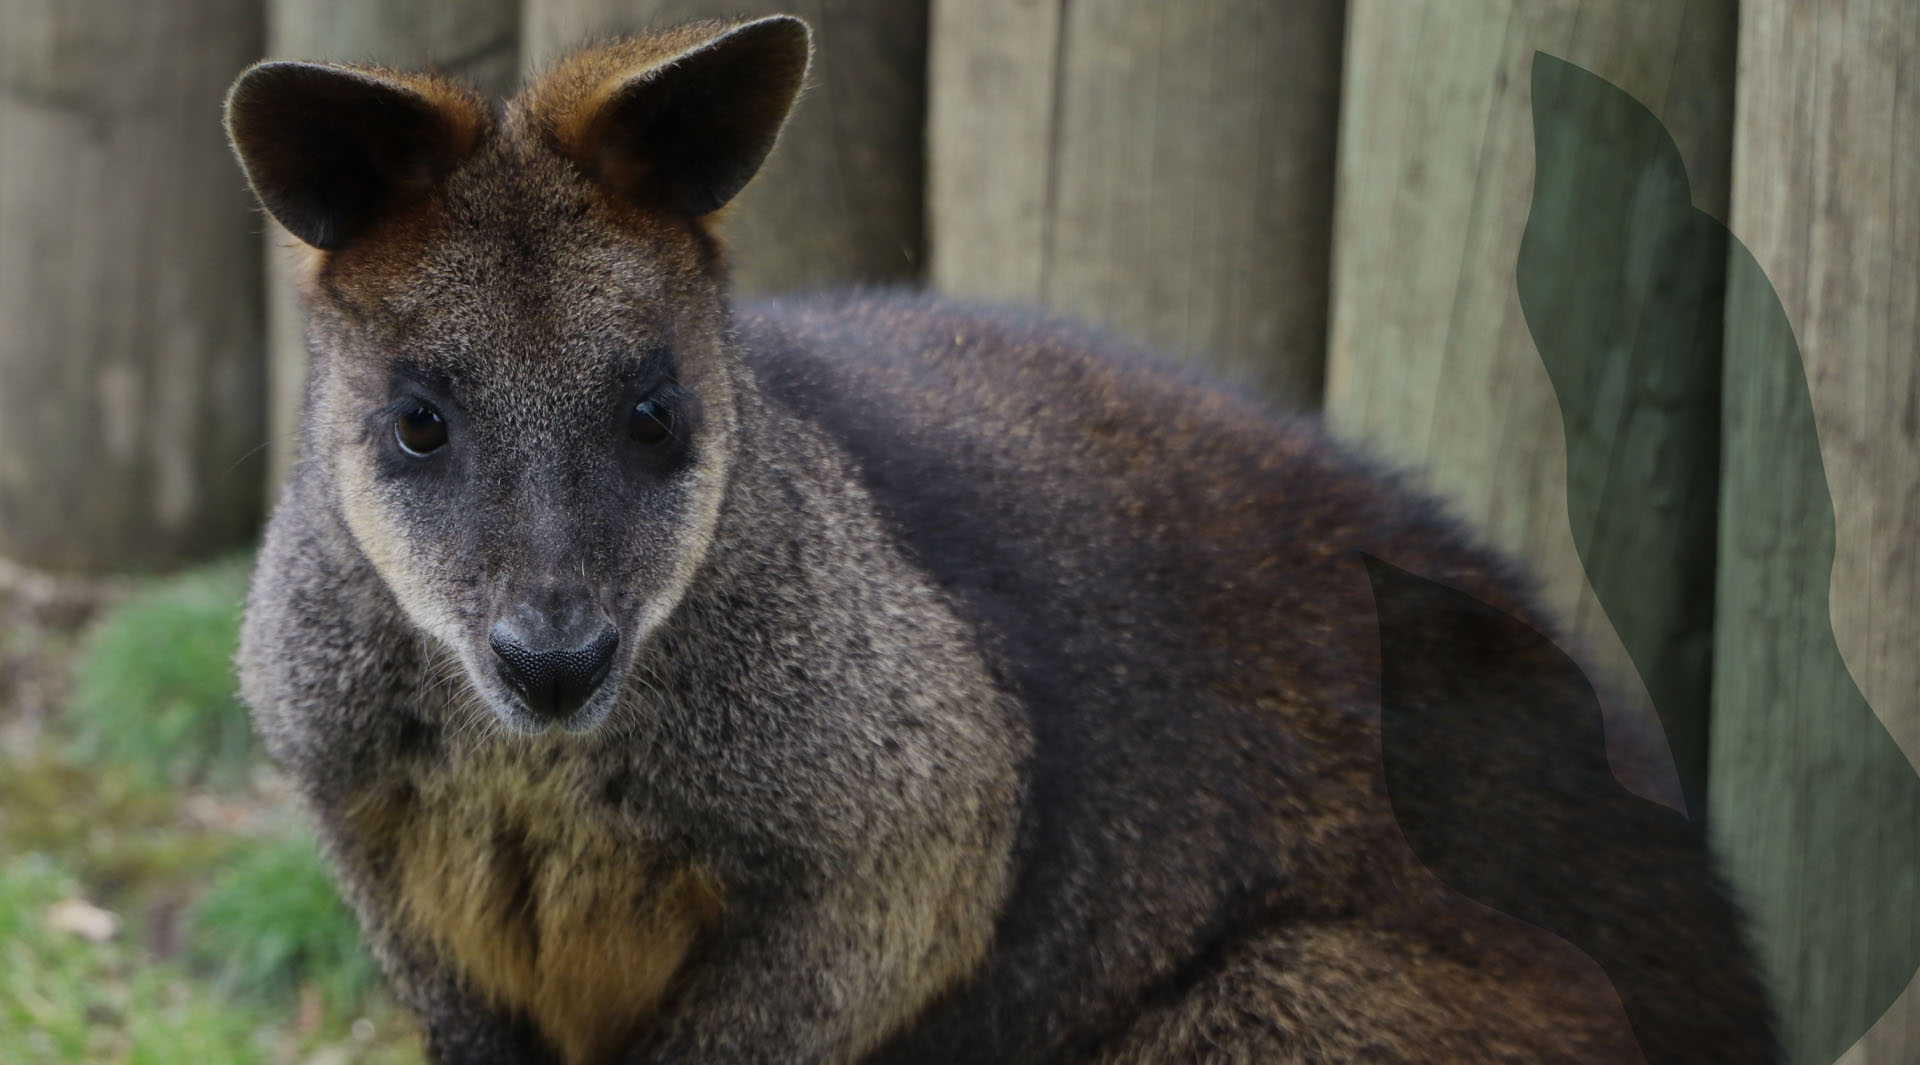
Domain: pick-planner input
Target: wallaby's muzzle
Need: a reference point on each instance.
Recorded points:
(554, 662)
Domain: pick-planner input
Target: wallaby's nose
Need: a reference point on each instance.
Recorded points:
(554, 670)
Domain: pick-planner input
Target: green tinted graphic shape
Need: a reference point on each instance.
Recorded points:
(1623, 287)
(1816, 809)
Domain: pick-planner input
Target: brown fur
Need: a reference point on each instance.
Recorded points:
(495, 866)
(570, 95)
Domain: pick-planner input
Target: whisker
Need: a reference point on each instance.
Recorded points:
(255, 450)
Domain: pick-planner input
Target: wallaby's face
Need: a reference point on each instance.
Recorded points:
(523, 396)
(528, 436)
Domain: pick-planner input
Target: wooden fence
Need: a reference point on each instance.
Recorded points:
(1344, 203)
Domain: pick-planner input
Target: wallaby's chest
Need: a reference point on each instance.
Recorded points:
(509, 864)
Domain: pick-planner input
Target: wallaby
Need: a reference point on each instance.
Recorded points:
(877, 680)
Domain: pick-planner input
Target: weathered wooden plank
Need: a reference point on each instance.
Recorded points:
(1817, 678)
(130, 335)
(1431, 361)
(1162, 168)
(990, 127)
(840, 199)
(476, 41)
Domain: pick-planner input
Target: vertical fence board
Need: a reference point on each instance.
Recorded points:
(990, 124)
(130, 337)
(1819, 787)
(1431, 362)
(1162, 168)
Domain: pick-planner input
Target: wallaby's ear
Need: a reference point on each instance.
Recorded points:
(684, 131)
(332, 150)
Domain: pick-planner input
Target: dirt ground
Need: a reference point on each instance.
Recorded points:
(42, 618)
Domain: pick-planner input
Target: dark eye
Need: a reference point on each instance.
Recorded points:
(652, 422)
(420, 430)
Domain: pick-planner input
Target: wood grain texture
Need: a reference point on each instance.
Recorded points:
(839, 201)
(1826, 196)
(1431, 363)
(990, 128)
(130, 334)
(1162, 168)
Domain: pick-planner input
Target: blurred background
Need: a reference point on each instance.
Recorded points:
(1325, 199)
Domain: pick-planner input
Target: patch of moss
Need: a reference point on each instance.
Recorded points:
(120, 832)
(154, 687)
(65, 999)
(273, 922)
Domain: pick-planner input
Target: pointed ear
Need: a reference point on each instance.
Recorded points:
(685, 132)
(330, 150)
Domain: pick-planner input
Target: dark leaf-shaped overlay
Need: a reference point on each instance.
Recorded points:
(1632, 296)
(1623, 287)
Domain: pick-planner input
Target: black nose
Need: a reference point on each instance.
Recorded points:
(552, 674)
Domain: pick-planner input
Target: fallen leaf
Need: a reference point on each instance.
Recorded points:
(82, 918)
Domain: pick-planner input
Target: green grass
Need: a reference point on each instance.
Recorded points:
(66, 999)
(120, 832)
(146, 796)
(154, 685)
(273, 922)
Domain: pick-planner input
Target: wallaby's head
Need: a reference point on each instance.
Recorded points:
(523, 398)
